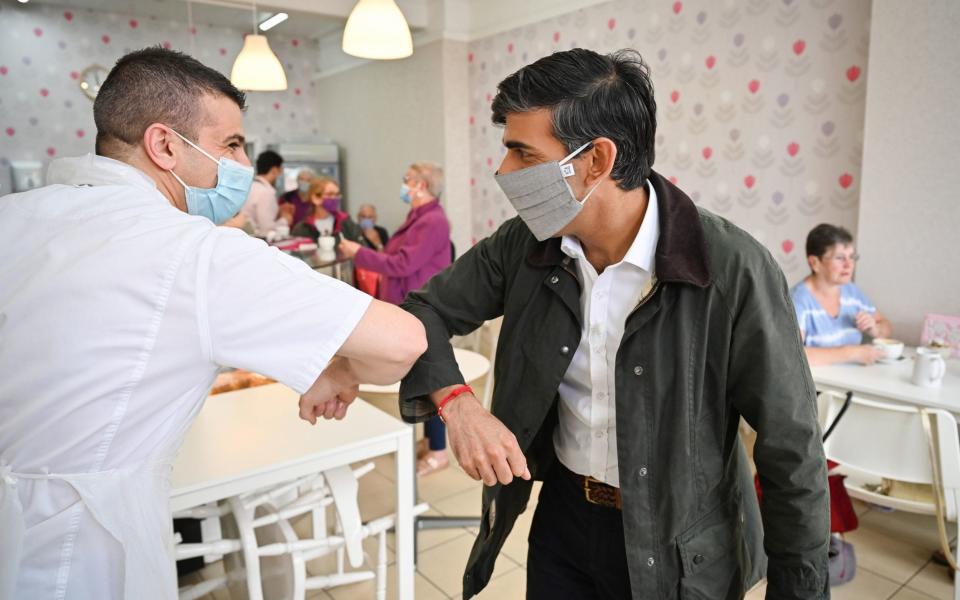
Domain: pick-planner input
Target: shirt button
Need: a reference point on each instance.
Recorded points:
(642, 472)
(638, 370)
(599, 434)
(564, 350)
(650, 562)
(554, 279)
(698, 559)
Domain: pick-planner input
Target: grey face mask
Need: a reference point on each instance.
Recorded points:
(543, 197)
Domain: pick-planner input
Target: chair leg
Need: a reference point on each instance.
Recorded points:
(956, 585)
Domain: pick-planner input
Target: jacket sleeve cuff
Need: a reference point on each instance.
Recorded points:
(805, 581)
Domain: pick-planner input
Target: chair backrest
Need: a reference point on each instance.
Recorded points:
(889, 441)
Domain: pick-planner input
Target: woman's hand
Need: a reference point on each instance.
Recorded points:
(867, 354)
(867, 323)
(348, 249)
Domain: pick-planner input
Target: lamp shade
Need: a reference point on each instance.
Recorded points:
(377, 29)
(257, 68)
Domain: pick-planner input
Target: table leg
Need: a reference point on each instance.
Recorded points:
(406, 471)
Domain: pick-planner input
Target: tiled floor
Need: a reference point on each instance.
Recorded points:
(893, 548)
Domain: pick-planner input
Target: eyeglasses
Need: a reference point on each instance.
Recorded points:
(842, 258)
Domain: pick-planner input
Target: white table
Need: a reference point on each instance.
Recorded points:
(251, 438)
(891, 382)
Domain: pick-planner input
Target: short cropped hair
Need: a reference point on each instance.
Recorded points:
(267, 160)
(432, 174)
(590, 95)
(155, 85)
(825, 236)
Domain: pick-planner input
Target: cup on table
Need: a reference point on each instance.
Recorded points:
(326, 243)
(892, 349)
(283, 231)
(928, 368)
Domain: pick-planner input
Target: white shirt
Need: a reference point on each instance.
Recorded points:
(116, 312)
(586, 438)
(261, 208)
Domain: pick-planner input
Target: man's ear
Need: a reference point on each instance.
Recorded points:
(601, 159)
(158, 142)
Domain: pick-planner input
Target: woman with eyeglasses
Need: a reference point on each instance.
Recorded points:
(834, 315)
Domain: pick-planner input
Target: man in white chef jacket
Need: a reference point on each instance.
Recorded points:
(119, 301)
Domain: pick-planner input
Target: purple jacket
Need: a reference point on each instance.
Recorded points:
(302, 208)
(418, 250)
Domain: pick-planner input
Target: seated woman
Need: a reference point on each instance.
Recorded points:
(298, 200)
(326, 217)
(418, 250)
(832, 312)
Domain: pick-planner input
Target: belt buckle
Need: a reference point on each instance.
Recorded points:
(587, 480)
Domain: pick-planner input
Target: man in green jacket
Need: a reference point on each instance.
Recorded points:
(638, 329)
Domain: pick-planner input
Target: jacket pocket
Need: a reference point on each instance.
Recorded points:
(710, 558)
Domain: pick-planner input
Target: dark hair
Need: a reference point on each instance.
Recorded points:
(825, 236)
(155, 85)
(590, 95)
(267, 160)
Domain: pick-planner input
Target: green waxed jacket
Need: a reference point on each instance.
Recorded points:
(714, 339)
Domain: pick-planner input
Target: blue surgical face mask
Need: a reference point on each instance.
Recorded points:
(405, 193)
(222, 202)
(304, 187)
(366, 223)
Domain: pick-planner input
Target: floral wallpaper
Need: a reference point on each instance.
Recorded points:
(44, 48)
(760, 106)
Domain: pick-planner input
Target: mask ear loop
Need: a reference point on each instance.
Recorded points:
(207, 154)
(566, 158)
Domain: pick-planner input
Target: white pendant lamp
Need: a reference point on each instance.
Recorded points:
(377, 30)
(257, 68)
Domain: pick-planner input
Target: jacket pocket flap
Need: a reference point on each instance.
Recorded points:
(712, 538)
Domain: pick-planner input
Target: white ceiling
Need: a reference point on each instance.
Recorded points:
(223, 13)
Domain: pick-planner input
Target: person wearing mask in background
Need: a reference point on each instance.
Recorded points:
(374, 236)
(261, 208)
(299, 198)
(637, 329)
(116, 318)
(418, 250)
(326, 218)
(832, 312)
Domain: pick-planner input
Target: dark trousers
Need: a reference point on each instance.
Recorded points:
(436, 432)
(576, 548)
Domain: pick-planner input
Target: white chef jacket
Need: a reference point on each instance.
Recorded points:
(116, 312)
(586, 436)
(261, 207)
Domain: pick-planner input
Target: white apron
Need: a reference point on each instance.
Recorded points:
(132, 504)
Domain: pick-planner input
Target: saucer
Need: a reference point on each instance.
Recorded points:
(890, 361)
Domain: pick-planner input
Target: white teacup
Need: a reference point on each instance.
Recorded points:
(892, 349)
(928, 368)
(326, 243)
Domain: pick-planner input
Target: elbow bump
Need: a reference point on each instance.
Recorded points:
(414, 341)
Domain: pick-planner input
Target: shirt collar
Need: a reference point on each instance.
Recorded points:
(92, 169)
(642, 250)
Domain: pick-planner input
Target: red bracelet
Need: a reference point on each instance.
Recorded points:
(463, 389)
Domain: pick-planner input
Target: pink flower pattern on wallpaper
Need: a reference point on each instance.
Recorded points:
(760, 106)
(44, 49)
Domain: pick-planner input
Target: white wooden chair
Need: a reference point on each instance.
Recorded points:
(274, 557)
(899, 456)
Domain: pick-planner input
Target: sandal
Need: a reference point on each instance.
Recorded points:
(433, 461)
